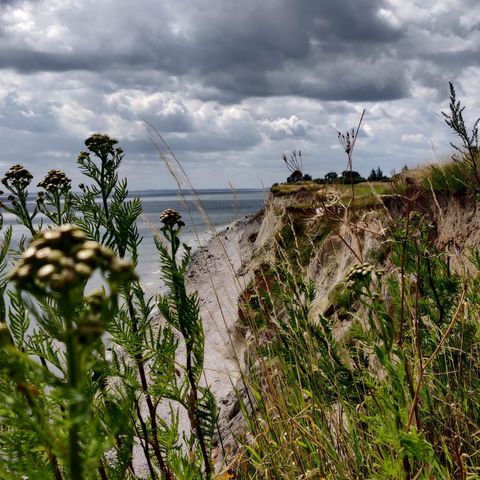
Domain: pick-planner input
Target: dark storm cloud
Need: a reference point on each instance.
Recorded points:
(235, 50)
(29, 61)
(224, 80)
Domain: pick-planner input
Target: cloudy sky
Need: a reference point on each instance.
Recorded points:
(232, 84)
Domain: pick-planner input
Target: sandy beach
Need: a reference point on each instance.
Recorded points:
(213, 273)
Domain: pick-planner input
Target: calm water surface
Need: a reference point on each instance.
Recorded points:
(222, 207)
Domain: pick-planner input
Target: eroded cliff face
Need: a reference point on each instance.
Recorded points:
(333, 240)
(322, 242)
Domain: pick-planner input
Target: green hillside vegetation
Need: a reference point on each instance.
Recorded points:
(382, 381)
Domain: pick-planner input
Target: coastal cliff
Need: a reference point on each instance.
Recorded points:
(318, 239)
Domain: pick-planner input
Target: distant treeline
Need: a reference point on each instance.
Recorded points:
(347, 176)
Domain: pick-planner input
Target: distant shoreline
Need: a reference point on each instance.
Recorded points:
(164, 192)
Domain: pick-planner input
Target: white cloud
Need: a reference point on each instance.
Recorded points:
(232, 86)
(417, 138)
(279, 128)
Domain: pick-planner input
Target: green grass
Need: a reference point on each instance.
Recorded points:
(291, 188)
(396, 395)
(366, 194)
(452, 177)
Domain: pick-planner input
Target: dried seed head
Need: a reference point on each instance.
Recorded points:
(67, 262)
(359, 273)
(96, 299)
(102, 146)
(52, 235)
(83, 270)
(67, 228)
(23, 271)
(171, 218)
(91, 245)
(55, 256)
(17, 177)
(62, 258)
(56, 181)
(43, 253)
(29, 253)
(107, 252)
(89, 329)
(78, 235)
(122, 269)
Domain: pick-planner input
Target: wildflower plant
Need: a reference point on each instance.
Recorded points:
(181, 311)
(16, 180)
(55, 199)
(107, 214)
(84, 374)
(55, 269)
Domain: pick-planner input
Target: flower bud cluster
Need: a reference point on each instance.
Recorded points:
(17, 177)
(171, 218)
(56, 181)
(101, 145)
(63, 258)
(359, 273)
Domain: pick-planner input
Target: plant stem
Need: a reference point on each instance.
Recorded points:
(145, 445)
(103, 189)
(41, 421)
(73, 377)
(24, 212)
(180, 297)
(59, 209)
(193, 414)
(151, 408)
(402, 280)
(102, 472)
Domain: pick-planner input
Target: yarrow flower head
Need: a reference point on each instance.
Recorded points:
(359, 274)
(17, 177)
(171, 218)
(56, 181)
(101, 145)
(63, 258)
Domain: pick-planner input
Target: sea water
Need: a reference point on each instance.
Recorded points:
(220, 206)
(204, 214)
